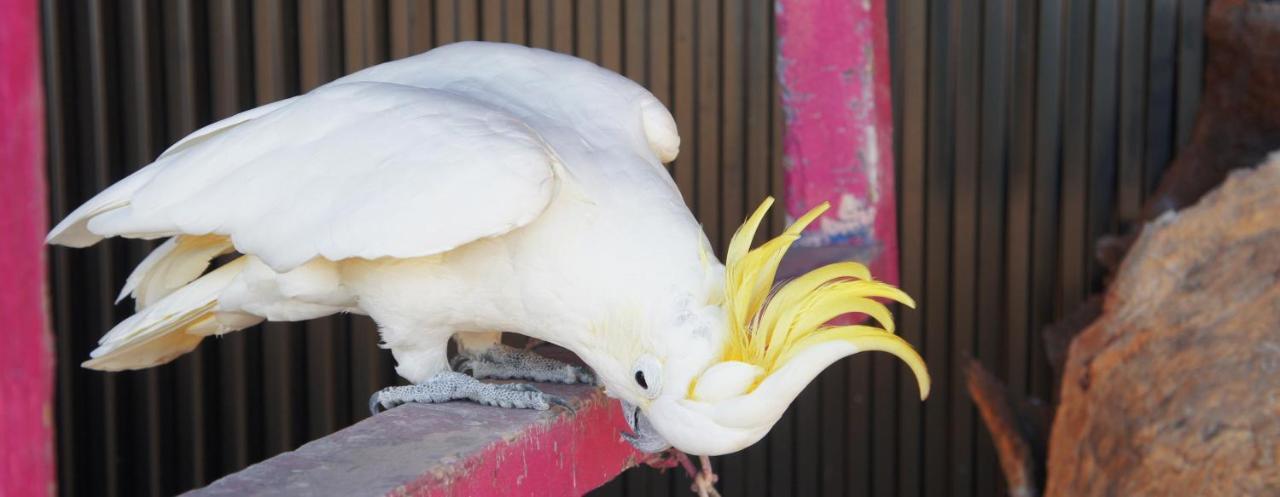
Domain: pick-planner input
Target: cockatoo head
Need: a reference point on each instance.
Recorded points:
(741, 360)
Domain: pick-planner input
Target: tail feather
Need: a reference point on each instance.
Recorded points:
(178, 261)
(170, 326)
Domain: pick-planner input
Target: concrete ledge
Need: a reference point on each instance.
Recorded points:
(458, 448)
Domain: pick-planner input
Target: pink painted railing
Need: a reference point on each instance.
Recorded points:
(453, 449)
(833, 65)
(26, 374)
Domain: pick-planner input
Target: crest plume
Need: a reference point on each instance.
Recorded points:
(768, 326)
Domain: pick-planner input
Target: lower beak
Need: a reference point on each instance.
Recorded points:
(643, 436)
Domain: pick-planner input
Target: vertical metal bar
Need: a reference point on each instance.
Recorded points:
(446, 19)
(1161, 90)
(320, 61)
(492, 19)
(231, 91)
(969, 110)
(997, 45)
(1132, 105)
(562, 32)
(914, 19)
(706, 159)
(53, 20)
(97, 154)
(587, 30)
(274, 37)
(936, 463)
(516, 25)
(539, 12)
(682, 97)
(468, 20)
(1048, 165)
(1190, 65)
(182, 84)
(142, 138)
(611, 32)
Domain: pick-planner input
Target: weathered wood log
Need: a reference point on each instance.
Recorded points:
(1018, 428)
(1175, 390)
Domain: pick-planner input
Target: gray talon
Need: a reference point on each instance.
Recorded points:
(450, 385)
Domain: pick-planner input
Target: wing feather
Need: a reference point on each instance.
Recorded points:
(360, 169)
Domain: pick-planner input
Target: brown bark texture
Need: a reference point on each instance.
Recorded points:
(1175, 390)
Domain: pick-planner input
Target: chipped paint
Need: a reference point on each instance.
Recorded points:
(833, 71)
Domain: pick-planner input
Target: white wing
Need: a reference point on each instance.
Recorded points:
(360, 169)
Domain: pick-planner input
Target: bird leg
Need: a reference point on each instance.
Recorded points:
(500, 361)
(704, 480)
(449, 385)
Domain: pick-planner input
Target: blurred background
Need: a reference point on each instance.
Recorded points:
(1025, 130)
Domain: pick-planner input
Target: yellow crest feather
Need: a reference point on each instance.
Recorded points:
(767, 327)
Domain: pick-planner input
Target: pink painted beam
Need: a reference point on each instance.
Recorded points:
(453, 449)
(26, 362)
(833, 65)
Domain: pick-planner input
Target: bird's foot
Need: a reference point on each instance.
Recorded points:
(704, 480)
(510, 363)
(448, 385)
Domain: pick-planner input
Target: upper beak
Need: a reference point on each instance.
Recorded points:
(643, 436)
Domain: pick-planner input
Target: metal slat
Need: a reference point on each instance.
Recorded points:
(230, 92)
(54, 33)
(182, 84)
(320, 61)
(95, 154)
(612, 30)
(969, 110)
(152, 421)
(1019, 204)
(1103, 132)
(1132, 107)
(282, 363)
(683, 80)
(913, 20)
(997, 54)
(1044, 237)
(939, 168)
(587, 30)
(1190, 65)
(1161, 87)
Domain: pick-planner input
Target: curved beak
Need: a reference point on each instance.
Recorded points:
(644, 437)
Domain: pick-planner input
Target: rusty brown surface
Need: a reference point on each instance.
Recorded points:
(1012, 442)
(1176, 389)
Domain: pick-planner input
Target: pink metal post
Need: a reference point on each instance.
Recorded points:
(833, 64)
(26, 373)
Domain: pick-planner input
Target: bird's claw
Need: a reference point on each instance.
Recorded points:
(449, 385)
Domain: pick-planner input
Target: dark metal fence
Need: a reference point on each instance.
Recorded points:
(1025, 130)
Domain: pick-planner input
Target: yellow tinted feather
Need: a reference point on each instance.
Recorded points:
(768, 327)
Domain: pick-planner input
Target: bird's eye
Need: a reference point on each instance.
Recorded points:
(648, 375)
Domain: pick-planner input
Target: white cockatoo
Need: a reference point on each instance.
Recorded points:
(475, 189)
